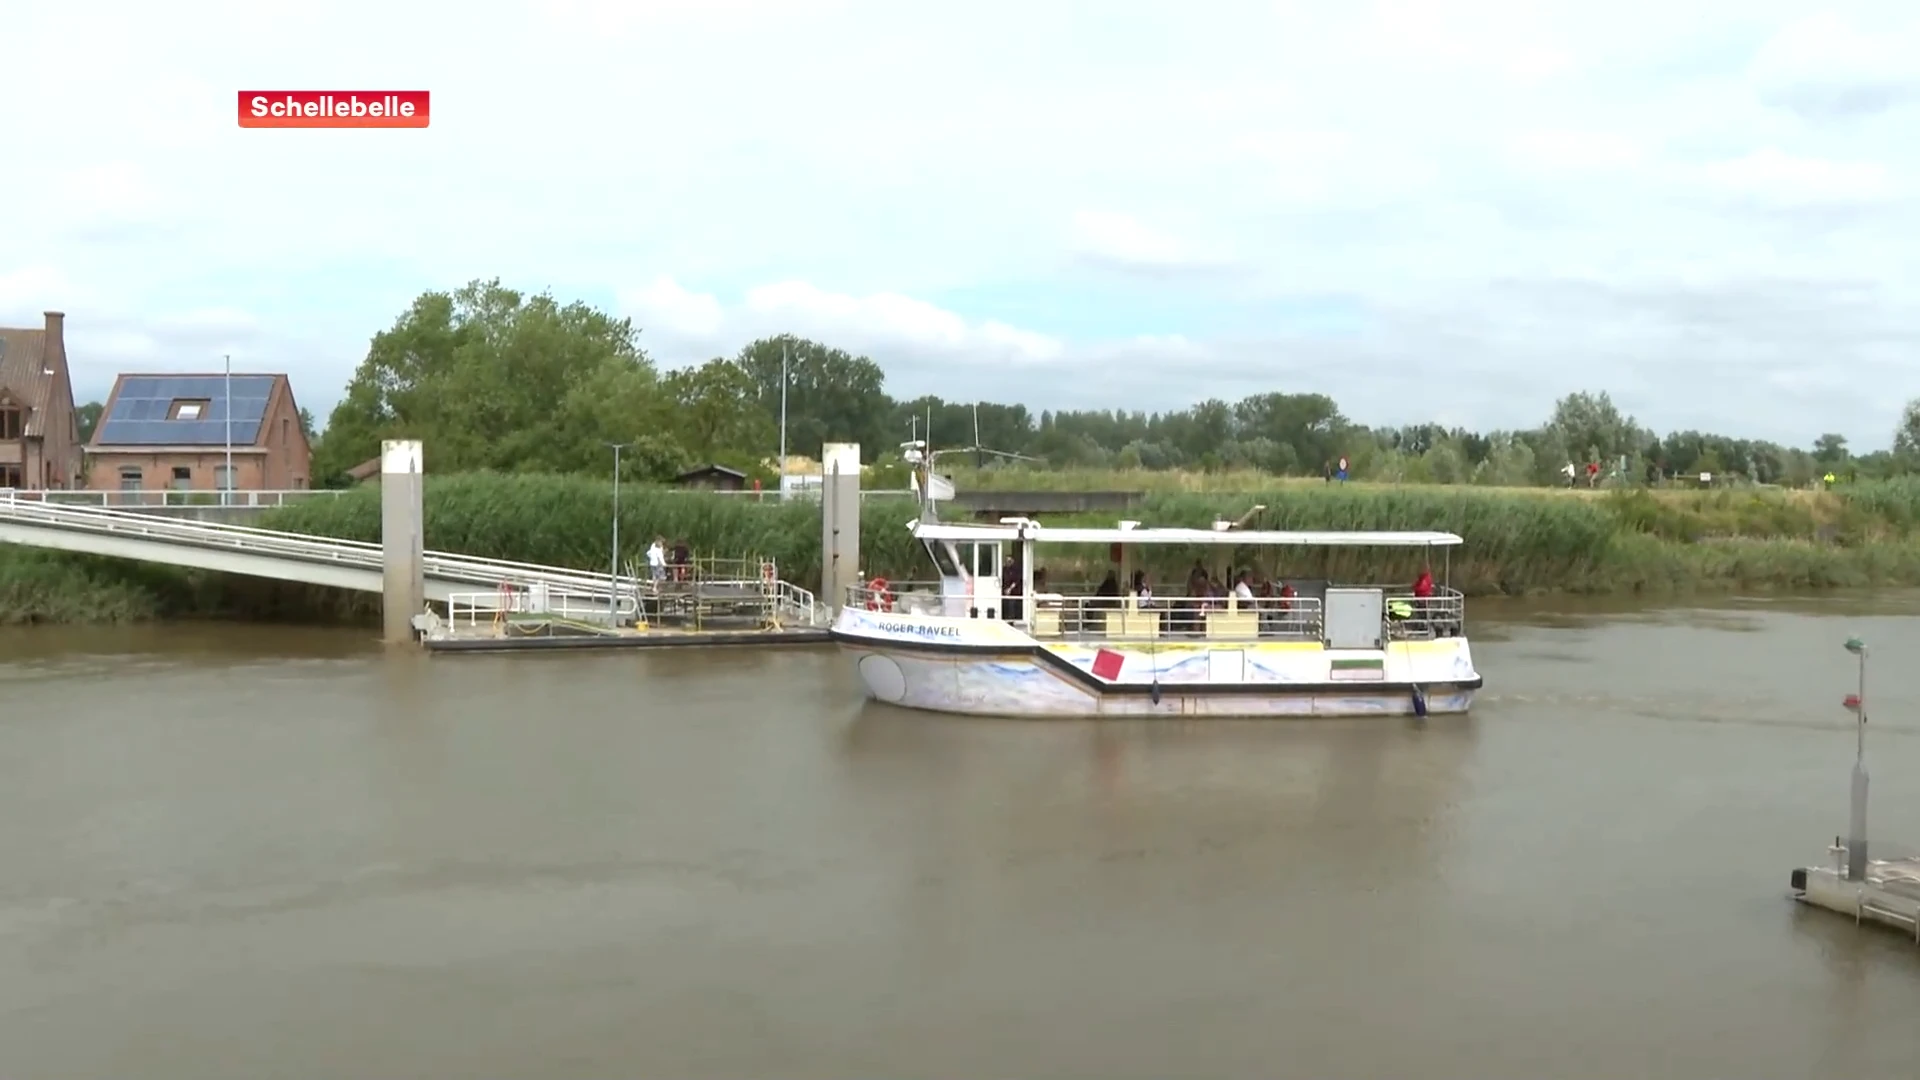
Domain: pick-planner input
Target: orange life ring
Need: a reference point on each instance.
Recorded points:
(879, 596)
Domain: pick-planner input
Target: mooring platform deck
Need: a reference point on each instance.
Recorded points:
(652, 638)
(1890, 895)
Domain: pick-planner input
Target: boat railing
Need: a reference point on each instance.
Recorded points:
(1416, 618)
(1074, 616)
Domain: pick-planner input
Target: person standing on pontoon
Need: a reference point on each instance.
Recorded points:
(657, 560)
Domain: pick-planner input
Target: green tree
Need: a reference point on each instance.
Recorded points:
(716, 414)
(87, 418)
(832, 395)
(1906, 437)
(491, 378)
(1830, 451)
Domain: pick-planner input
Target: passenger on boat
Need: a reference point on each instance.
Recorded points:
(1423, 585)
(1105, 598)
(682, 560)
(1141, 592)
(1192, 611)
(1243, 589)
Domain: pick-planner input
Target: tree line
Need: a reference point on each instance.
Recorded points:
(492, 378)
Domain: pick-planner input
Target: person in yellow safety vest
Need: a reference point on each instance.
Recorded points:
(1829, 479)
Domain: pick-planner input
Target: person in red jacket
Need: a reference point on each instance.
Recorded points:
(1423, 585)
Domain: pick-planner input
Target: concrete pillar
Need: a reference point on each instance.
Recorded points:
(402, 537)
(839, 523)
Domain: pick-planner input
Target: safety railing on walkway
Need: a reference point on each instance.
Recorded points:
(1081, 617)
(166, 498)
(445, 566)
(470, 611)
(711, 590)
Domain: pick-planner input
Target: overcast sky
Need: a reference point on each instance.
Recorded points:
(1453, 211)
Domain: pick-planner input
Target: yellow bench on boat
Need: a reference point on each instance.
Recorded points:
(1131, 622)
(1233, 623)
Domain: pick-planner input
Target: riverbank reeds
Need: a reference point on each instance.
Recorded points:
(1517, 541)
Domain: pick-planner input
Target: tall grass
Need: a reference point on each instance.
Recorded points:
(567, 521)
(53, 587)
(1517, 541)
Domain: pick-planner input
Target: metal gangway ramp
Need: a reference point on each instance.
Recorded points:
(266, 553)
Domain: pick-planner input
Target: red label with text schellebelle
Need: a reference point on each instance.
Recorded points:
(334, 108)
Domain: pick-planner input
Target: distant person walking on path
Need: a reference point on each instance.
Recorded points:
(1341, 472)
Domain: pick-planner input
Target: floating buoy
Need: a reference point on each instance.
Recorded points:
(1419, 702)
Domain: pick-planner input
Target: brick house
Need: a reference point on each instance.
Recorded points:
(171, 432)
(39, 432)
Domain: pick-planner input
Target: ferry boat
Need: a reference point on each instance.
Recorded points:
(957, 645)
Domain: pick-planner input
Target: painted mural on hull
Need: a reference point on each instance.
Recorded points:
(901, 662)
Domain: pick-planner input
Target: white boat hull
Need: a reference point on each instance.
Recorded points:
(990, 668)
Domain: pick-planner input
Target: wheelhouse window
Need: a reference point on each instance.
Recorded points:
(943, 558)
(188, 409)
(12, 420)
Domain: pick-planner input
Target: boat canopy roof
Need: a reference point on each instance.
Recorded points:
(1030, 530)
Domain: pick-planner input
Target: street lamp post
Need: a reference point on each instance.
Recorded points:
(226, 488)
(1857, 819)
(613, 584)
(783, 420)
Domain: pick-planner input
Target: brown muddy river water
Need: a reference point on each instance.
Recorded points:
(259, 852)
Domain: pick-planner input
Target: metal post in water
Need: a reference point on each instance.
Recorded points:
(1857, 818)
(613, 578)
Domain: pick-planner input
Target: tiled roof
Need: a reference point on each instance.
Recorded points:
(141, 410)
(23, 371)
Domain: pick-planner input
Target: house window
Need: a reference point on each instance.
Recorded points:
(223, 477)
(9, 476)
(182, 478)
(11, 419)
(187, 409)
(130, 478)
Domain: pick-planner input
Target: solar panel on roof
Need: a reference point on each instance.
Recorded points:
(140, 414)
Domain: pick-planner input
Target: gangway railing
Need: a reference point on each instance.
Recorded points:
(477, 610)
(172, 498)
(789, 601)
(359, 554)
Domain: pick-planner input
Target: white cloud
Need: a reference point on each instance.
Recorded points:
(1775, 177)
(888, 325)
(669, 306)
(1123, 241)
(1503, 198)
(1825, 66)
(1577, 150)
